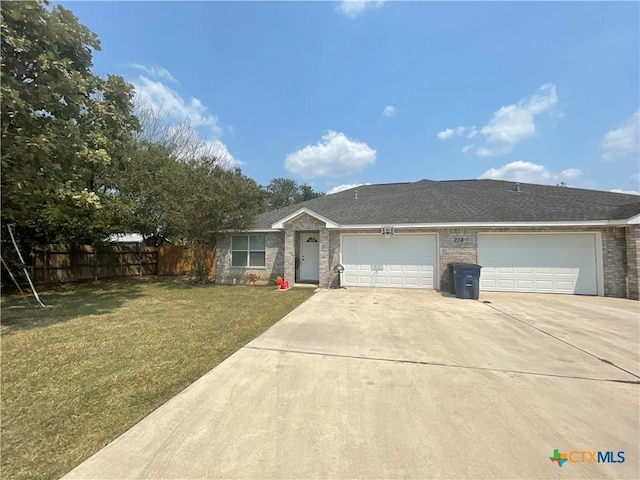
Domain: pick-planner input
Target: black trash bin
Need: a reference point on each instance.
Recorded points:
(465, 280)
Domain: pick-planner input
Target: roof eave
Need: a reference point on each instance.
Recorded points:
(566, 223)
(279, 226)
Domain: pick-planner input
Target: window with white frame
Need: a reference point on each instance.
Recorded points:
(247, 251)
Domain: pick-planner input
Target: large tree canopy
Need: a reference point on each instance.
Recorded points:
(180, 186)
(77, 162)
(63, 127)
(186, 200)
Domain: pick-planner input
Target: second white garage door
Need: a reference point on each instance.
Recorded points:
(558, 263)
(404, 261)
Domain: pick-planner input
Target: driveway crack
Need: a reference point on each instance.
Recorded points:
(439, 364)
(603, 360)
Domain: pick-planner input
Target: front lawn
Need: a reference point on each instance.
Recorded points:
(101, 356)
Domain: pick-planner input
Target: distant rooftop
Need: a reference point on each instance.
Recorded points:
(125, 238)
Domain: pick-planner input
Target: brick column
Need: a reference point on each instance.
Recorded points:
(290, 255)
(614, 261)
(633, 261)
(456, 245)
(324, 258)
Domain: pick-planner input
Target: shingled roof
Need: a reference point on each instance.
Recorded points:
(462, 201)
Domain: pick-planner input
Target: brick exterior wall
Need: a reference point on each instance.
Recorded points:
(633, 261)
(325, 280)
(456, 245)
(620, 259)
(274, 261)
(614, 259)
(334, 257)
(290, 255)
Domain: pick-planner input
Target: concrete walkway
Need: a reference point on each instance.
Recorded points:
(381, 383)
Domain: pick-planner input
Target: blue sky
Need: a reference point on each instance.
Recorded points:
(344, 93)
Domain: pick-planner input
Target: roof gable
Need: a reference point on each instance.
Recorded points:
(280, 224)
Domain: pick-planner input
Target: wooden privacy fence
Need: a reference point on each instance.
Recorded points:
(173, 260)
(177, 259)
(70, 263)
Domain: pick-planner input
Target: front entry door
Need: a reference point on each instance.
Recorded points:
(309, 257)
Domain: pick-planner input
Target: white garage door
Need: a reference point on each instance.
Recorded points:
(406, 261)
(561, 263)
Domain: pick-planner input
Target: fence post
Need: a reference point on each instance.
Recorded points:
(45, 264)
(95, 263)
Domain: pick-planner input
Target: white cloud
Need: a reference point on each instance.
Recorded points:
(334, 155)
(485, 152)
(629, 192)
(510, 124)
(635, 177)
(159, 72)
(513, 123)
(519, 171)
(545, 99)
(179, 111)
(443, 135)
(353, 8)
(450, 132)
(570, 174)
(468, 148)
(528, 172)
(622, 141)
(342, 188)
(389, 111)
(161, 98)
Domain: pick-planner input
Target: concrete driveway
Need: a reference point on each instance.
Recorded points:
(382, 383)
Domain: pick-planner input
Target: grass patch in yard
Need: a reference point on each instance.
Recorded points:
(101, 356)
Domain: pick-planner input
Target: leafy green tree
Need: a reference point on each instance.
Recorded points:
(188, 200)
(282, 192)
(306, 192)
(204, 199)
(143, 190)
(64, 129)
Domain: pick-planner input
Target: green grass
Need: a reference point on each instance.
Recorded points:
(101, 356)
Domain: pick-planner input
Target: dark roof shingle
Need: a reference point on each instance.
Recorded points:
(462, 201)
